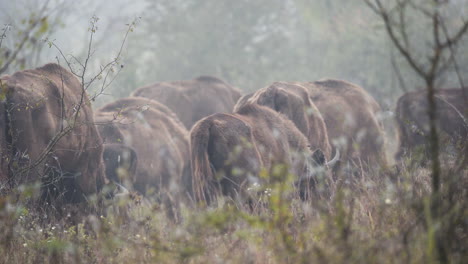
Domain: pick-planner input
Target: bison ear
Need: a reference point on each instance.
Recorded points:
(319, 157)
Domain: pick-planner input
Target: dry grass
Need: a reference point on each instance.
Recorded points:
(373, 218)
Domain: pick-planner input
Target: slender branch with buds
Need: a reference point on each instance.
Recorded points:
(26, 37)
(85, 84)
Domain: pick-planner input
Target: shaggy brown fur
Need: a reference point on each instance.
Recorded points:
(158, 138)
(293, 101)
(193, 99)
(413, 121)
(36, 106)
(350, 113)
(229, 150)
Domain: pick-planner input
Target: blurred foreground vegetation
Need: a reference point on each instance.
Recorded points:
(376, 218)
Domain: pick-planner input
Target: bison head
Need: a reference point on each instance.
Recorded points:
(121, 162)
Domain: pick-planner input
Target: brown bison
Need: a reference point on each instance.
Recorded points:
(194, 99)
(293, 101)
(350, 115)
(413, 120)
(49, 134)
(228, 151)
(158, 138)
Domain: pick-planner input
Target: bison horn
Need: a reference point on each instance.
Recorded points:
(121, 188)
(332, 162)
(120, 191)
(116, 190)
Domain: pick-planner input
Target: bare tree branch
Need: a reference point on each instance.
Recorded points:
(3, 35)
(25, 39)
(381, 11)
(452, 56)
(73, 123)
(401, 81)
(457, 35)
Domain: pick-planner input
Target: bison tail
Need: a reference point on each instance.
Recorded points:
(203, 176)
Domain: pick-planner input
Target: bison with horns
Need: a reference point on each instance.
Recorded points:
(194, 99)
(48, 135)
(228, 151)
(351, 117)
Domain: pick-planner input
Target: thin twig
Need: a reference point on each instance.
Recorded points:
(24, 40)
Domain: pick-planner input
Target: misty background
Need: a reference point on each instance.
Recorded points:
(249, 44)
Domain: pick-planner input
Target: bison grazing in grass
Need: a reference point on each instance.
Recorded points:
(228, 151)
(451, 121)
(194, 99)
(350, 115)
(158, 138)
(293, 101)
(121, 162)
(48, 134)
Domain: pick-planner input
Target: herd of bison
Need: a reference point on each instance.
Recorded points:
(197, 140)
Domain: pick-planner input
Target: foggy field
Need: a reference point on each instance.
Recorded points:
(177, 131)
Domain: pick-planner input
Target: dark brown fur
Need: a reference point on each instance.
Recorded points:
(194, 99)
(413, 120)
(293, 101)
(351, 113)
(157, 136)
(255, 137)
(121, 162)
(36, 105)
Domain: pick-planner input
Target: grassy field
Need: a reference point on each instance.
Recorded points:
(373, 218)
